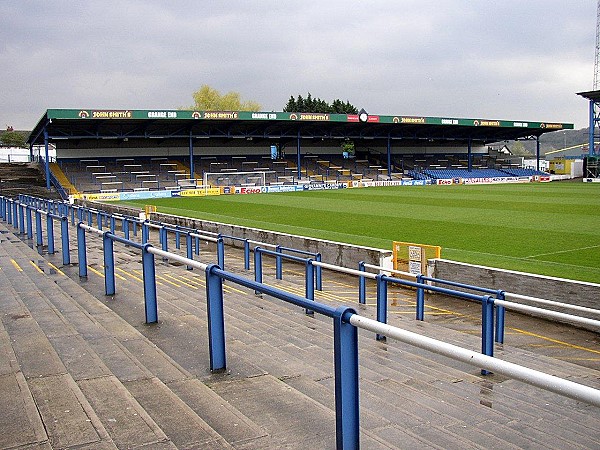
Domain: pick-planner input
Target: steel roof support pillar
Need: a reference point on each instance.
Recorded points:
(298, 157)
(537, 153)
(192, 176)
(469, 156)
(389, 156)
(592, 133)
(47, 162)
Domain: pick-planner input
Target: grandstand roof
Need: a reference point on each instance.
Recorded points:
(96, 124)
(591, 95)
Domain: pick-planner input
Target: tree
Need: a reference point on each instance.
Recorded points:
(518, 149)
(11, 138)
(317, 105)
(209, 99)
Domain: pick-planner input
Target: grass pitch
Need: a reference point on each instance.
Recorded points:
(545, 228)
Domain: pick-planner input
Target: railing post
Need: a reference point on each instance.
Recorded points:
(257, 267)
(15, 217)
(221, 253)
(362, 284)
(64, 236)
(278, 264)
(309, 287)
(145, 233)
(197, 244)
(163, 237)
(81, 251)
(500, 314)
(90, 217)
(420, 299)
(99, 219)
(72, 208)
(109, 264)
(216, 320)
(38, 228)
(50, 233)
(381, 303)
(189, 248)
(134, 225)
(487, 328)
(112, 224)
(318, 274)
(149, 275)
(345, 355)
(177, 238)
(125, 227)
(21, 218)
(29, 223)
(8, 211)
(246, 254)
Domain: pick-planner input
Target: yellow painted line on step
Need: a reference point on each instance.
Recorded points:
(181, 281)
(556, 341)
(57, 269)
(579, 359)
(97, 272)
(130, 275)
(16, 265)
(159, 277)
(139, 272)
(36, 267)
(120, 277)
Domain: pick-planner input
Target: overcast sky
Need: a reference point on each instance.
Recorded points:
(516, 60)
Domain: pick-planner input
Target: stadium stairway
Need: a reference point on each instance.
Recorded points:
(81, 370)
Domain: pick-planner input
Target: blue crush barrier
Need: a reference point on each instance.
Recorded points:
(345, 332)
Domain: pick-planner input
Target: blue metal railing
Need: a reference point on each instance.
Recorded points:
(345, 325)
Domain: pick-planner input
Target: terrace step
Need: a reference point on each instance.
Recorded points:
(130, 408)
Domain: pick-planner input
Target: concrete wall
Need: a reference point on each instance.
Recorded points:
(550, 288)
(338, 253)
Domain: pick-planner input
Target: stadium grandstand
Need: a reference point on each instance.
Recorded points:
(108, 151)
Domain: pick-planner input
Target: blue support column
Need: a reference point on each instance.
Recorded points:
(381, 303)
(500, 314)
(15, 214)
(592, 129)
(81, 252)
(345, 356)
(221, 253)
(125, 226)
(29, 223)
(197, 244)
(537, 153)
(246, 254)
(389, 156)
(38, 229)
(278, 264)
(189, 248)
(487, 328)
(216, 320)
(163, 237)
(257, 267)
(64, 236)
(309, 285)
(191, 156)
(318, 274)
(145, 233)
(362, 284)
(21, 218)
(469, 156)
(149, 275)
(112, 224)
(299, 161)
(109, 265)
(50, 233)
(46, 157)
(177, 238)
(420, 315)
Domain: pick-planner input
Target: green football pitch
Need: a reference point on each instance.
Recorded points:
(545, 228)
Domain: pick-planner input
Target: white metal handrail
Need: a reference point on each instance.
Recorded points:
(385, 269)
(511, 296)
(533, 377)
(178, 258)
(346, 270)
(547, 313)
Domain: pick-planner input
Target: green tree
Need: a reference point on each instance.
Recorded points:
(311, 104)
(209, 99)
(12, 138)
(518, 149)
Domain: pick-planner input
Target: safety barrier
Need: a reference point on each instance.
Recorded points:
(345, 330)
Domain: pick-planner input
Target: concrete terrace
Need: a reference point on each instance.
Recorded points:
(82, 370)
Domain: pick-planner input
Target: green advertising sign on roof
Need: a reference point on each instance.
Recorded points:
(171, 114)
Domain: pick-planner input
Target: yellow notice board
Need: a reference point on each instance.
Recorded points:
(412, 258)
(149, 209)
